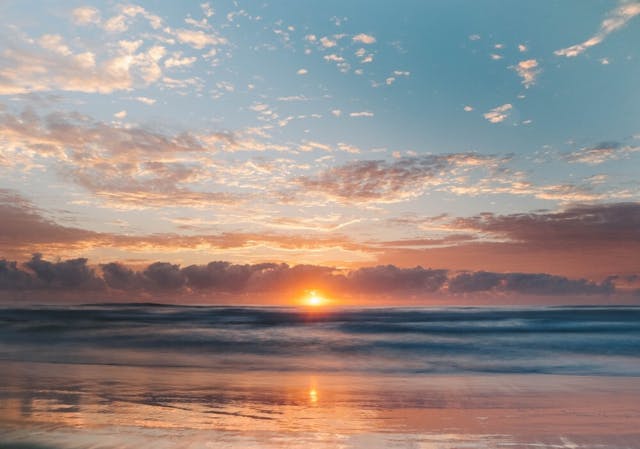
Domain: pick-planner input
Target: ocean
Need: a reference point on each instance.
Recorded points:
(161, 376)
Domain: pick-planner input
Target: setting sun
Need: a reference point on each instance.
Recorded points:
(314, 299)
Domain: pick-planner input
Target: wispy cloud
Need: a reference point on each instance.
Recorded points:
(603, 152)
(499, 113)
(198, 39)
(361, 114)
(615, 20)
(380, 181)
(146, 100)
(575, 225)
(152, 169)
(25, 230)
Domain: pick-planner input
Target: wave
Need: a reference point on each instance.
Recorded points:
(556, 340)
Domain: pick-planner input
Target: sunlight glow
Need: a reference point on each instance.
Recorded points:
(314, 299)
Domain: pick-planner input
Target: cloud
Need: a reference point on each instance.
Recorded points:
(126, 14)
(603, 152)
(23, 226)
(198, 39)
(116, 24)
(40, 274)
(121, 114)
(333, 58)
(327, 42)
(125, 166)
(121, 277)
(12, 277)
(302, 72)
(361, 114)
(54, 43)
(615, 20)
(179, 61)
(160, 279)
(528, 71)
(468, 108)
(85, 15)
(362, 38)
(207, 10)
(146, 100)
(49, 63)
(576, 226)
(221, 276)
(25, 230)
(164, 276)
(401, 179)
(606, 237)
(515, 183)
(389, 278)
(73, 273)
(498, 114)
(474, 282)
(449, 240)
(593, 241)
(527, 284)
(545, 284)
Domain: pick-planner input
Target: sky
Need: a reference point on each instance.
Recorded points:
(439, 149)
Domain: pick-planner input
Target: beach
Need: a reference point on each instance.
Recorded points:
(189, 377)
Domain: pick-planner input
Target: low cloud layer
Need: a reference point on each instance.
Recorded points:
(75, 279)
(527, 283)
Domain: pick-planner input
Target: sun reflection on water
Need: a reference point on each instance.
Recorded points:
(313, 391)
(313, 395)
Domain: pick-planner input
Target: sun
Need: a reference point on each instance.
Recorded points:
(314, 299)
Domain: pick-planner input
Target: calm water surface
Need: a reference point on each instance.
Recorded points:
(206, 377)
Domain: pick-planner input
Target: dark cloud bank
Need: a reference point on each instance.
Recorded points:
(74, 278)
